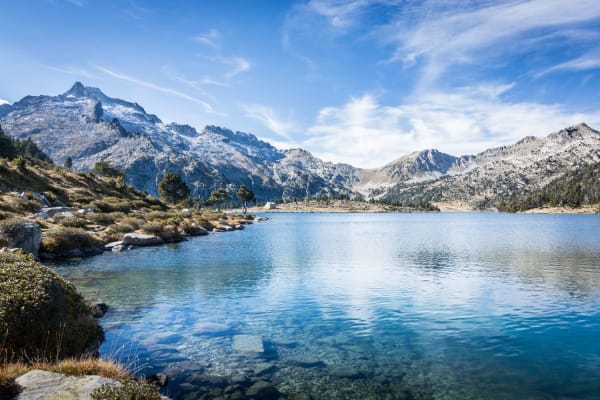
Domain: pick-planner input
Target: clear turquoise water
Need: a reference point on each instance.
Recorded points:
(443, 306)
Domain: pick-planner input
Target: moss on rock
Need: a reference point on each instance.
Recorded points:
(42, 316)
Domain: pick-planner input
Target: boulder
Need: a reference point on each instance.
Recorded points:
(39, 384)
(140, 239)
(195, 230)
(21, 234)
(263, 390)
(98, 310)
(41, 313)
(49, 212)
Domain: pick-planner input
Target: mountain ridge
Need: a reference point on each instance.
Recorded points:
(87, 125)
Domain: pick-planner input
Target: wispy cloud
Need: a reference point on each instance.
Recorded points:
(366, 133)
(586, 62)
(211, 38)
(445, 38)
(75, 71)
(127, 78)
(267, 116)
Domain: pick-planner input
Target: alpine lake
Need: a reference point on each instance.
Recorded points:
(363, 306)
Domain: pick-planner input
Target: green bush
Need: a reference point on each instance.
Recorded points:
(61, 240)
(73, 223)
(28, 205)
(152, 228)
(101, 219)
(42, 316)
(129, 390)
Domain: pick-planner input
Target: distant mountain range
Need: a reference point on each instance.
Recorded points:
(88, 126)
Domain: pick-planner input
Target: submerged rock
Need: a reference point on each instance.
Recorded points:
(306, 362)
(263, 368)
(211, 328)
(248, 344)
(263, 390)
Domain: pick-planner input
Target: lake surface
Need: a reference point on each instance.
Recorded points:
(366, 306)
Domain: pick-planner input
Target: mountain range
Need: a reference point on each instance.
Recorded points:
(89, 126)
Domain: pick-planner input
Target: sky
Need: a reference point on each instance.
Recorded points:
(357, 81)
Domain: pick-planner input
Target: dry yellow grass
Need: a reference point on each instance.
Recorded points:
(106, 368)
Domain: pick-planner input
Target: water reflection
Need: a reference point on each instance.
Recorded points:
(433, 305)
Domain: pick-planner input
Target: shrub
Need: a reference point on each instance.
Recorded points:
(42, 316)
(101, 219)
(129, 390)
(20, 162)
(156, 215)
(152, 228)
(28, 205)
(170, 234)
(73, 223)
(123, 228)
(62, 240)
(133, 222)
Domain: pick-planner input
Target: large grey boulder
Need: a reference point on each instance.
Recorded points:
(23, 235)
(38, 385)
(140, 239)
(44, 385)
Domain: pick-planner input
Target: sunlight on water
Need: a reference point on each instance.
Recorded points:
(355, 306)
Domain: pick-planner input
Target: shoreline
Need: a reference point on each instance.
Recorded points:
(368, 208)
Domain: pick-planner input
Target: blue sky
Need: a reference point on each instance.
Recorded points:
(357, 81)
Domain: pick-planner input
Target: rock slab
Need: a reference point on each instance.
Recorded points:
(38, 385)
(248, 344)
(140, 239)
(44, 385)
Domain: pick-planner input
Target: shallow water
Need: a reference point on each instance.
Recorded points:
(359, 306)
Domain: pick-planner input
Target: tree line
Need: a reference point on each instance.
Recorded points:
(574, 189)
(26, 149)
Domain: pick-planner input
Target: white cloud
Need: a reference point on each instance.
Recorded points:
(2, 101)
(445, 39)
(266, 116)
(585, 62)
(365, 133)
(211, 38)
(206, 106)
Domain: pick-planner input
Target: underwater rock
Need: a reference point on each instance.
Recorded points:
(263, 368)
(248, 344)
(263, 390)
(305, 362)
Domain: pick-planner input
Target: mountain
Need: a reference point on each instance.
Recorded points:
(485, 180)
(89, 126)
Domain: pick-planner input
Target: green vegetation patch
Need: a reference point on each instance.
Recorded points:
(61, 240)
(42, 316)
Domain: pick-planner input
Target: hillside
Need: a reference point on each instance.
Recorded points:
(79, 212)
